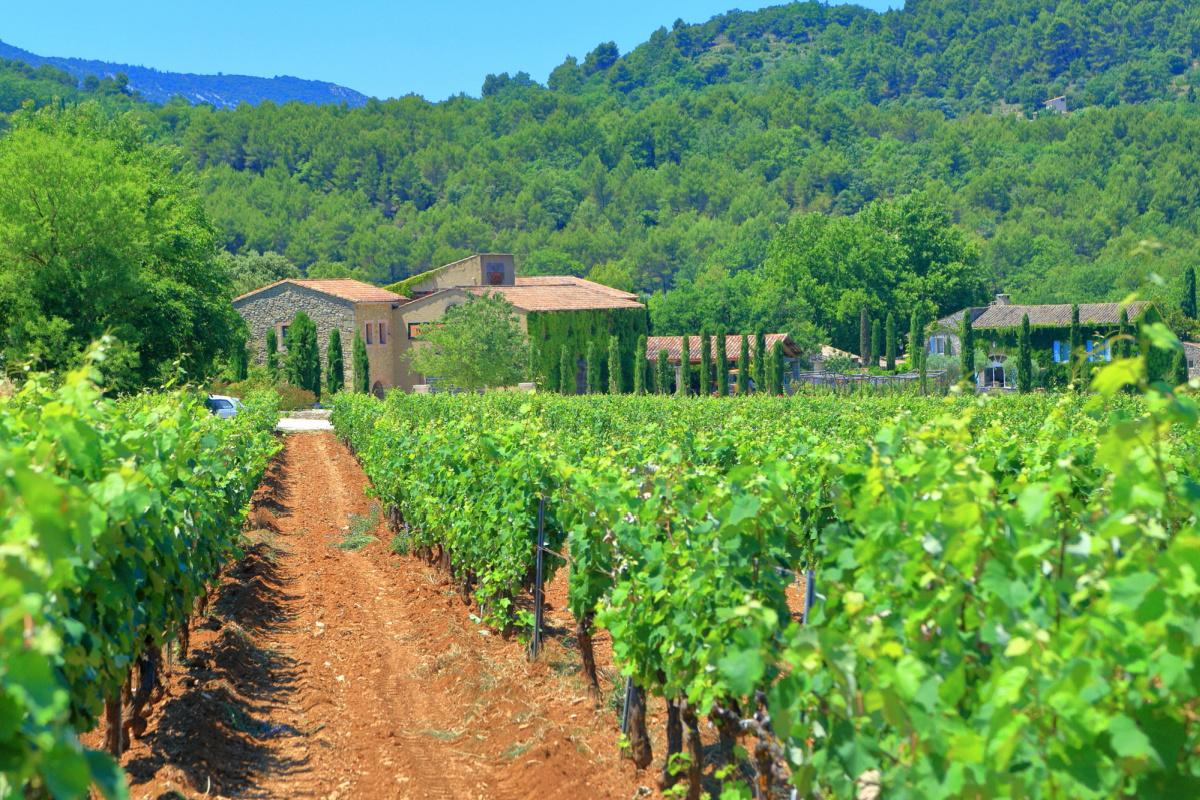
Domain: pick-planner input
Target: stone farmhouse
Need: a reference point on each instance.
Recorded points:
(996, 328)
(392, 320)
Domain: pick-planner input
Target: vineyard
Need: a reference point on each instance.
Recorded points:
(115, 519)
(1006, 598)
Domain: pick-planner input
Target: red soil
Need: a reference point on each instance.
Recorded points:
(332, 674)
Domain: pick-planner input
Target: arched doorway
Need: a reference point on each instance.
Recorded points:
(378, 390)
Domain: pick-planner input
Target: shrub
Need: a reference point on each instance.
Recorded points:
(293, 397)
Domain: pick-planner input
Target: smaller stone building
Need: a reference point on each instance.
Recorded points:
(348, 305)
(733, 348)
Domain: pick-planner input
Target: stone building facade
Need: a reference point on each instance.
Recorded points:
(350, 306)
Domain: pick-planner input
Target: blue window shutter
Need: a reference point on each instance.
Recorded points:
(1057, 355)
(1089, 350)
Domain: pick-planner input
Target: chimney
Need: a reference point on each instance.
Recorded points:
(1003, 300)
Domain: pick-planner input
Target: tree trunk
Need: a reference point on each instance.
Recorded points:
(692, 746)
(725, 720)
(639, 739)
(113, 731)
(584, 634)
(139, 704)
(185, 639)
(762, 769)
(674, 745)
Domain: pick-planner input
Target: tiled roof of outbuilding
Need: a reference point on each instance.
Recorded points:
(1009, 316)
(570, 280)
(560, 296)
(733, 346)
(345, 288)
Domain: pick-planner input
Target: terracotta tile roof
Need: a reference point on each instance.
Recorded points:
(1009, 316)
(570, 280)
(345, 288)
(566, 296)
(733, 346)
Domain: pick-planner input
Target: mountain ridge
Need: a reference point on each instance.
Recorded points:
(221, 91)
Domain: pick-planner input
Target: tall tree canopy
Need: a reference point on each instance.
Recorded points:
(101, 233)
(477, 344)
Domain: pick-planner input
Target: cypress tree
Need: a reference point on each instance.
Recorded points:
(1180, 371)
(1076, 362)
(891, 342)
(1125, 334)
(1188, 304)
(335, 372)
(362, 365)
(272, 354)
(705, 362)
(303, 357)
(864, 338)
(684, 386)
(240, 362)
(743, 362)
(916, 342)
(593, 368)
(777, 369)
(1024, 359)
(967, 342)
(566, 372)
(662, 374)
(761, 373)
(877, 346)
(639, 367)
(722, 371)
(614, 365)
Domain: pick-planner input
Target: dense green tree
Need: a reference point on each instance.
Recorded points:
(916, 341)
(272, 354)
(239, 362)
(683, 386)
(877, 342)
(566, 372)
(864, 337)
(335, 372)
(1024, 358)
(966, 337)
(1124, 336)
(639, 367)
(743, 366)
(252, 270)
(362, 364)
(478, 344)
(303, 361)
(662, 373)
(1179, 368)
(1078, 362)
(100, 233)
(705, 363)
(593, 368)
(722, 371)
(891, 342)
(777, 369)
(760, 372)
(1188, 304)
(614, 365)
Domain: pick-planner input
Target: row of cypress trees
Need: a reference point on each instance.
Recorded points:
(876, 339)
(301, 366)
(765, 369)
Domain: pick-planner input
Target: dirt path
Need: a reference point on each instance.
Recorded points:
(337, 674)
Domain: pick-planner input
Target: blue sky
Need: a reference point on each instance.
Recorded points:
(384, 49)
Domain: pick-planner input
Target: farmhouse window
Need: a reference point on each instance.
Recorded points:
(370, 333)
(937, 345)
(283, 331)
(383, 333)
(495, 274)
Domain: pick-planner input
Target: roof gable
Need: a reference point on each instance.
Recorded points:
(341, 288)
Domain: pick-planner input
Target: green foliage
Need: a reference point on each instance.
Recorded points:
(966, 338)
(743, 367)
(550, 331)
(662, 373)
(101, 234)
(477, 344)
(253, 270)
(877, 342)
(566, 369)
(615, 371)
(722, 375)
(1024, 358)
(272, 353)
(116, 517)
(335, 372)
(706, 365)
(303, 361)
(593, 368)
(760, 372)
(864, 337)
(891, 342)
(776, 369)
(1187, 304)
(916, 341)
(239, 362)
(1179, 368)
(362, 364)
(640, 364)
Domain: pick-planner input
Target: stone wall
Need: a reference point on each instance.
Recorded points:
(277, 306)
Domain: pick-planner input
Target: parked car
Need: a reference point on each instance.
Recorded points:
(223, 405)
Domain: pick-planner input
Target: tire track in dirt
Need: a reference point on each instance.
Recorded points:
(391, 691)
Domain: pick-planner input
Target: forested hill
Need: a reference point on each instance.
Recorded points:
(672, 167)
(222, 91)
